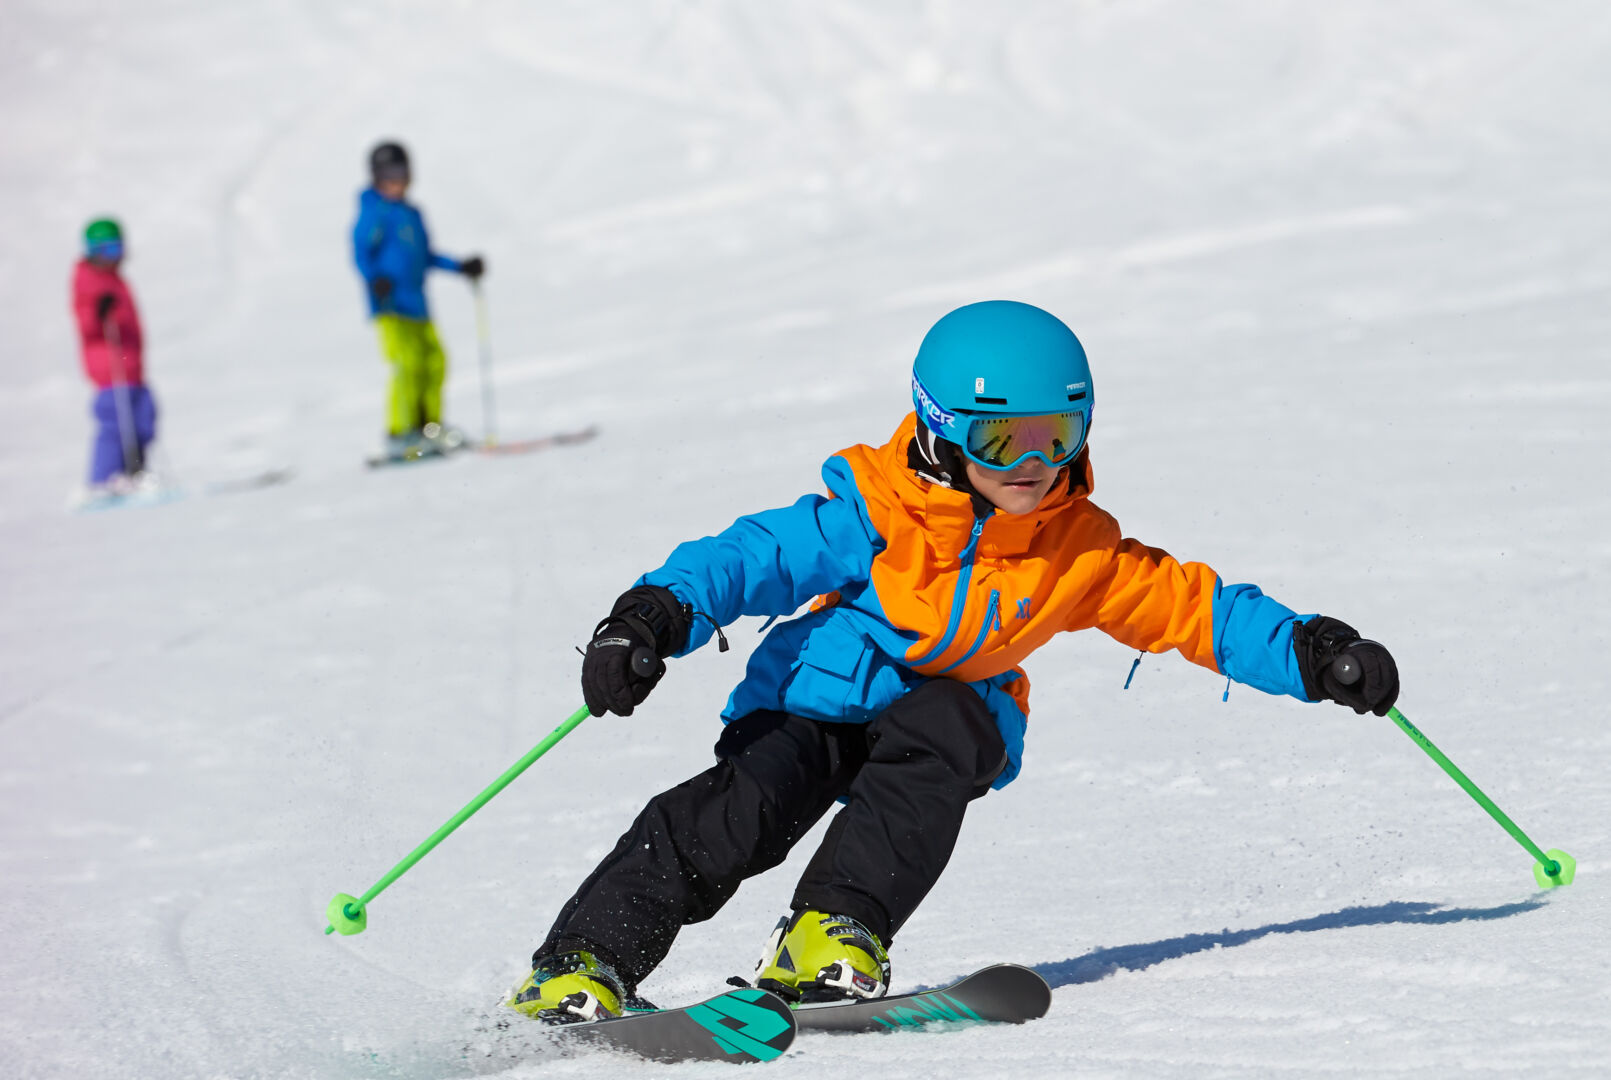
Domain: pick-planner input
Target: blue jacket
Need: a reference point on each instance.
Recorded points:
(910, 585)
(389, 240)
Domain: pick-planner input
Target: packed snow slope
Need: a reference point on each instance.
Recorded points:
(1341, 272)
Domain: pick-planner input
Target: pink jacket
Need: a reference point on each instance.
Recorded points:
(104, 365)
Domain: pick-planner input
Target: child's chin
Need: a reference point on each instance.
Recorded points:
(1018, 504)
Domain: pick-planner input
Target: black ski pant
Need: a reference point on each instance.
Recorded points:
(906, 777)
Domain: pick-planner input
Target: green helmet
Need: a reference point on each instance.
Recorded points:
(104, 237)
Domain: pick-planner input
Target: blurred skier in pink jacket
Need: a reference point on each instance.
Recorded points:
(109, 331)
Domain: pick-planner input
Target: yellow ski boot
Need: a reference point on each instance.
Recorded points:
(569, 988)
(812, 956)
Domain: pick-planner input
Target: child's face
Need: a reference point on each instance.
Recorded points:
(1019, 489)
(392, 189)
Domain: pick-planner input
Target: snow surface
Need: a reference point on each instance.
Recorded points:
(1342, 273)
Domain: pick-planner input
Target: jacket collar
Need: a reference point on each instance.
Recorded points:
(949, 514)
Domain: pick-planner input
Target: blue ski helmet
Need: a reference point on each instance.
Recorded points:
(1004, 381)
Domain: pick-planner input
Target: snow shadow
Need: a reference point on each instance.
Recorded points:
(1100, 963)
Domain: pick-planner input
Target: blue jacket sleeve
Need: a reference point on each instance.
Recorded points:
(1253, 640)
(432, 256)
(772, 562)
(366, 237)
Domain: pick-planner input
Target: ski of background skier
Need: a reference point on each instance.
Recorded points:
(518, 446)
(160, 496)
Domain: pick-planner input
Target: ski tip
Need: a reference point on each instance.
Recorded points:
(1025, 991)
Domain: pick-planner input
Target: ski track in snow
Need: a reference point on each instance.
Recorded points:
(1341, 274)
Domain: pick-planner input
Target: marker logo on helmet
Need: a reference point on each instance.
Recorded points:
(939, 421)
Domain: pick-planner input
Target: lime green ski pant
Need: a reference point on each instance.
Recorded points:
(418, 365)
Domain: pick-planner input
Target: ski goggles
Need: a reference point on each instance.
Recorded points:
(105, 249)
(1003, 442)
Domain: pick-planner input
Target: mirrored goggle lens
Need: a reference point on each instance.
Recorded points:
(1002, 442)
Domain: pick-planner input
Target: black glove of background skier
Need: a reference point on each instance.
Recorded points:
(473, 267)
(382, 288)
(647, 615)
(1320, 641)
(104, 304)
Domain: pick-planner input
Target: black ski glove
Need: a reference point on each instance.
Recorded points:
(1320, 641)
(473, 267)
(645, 617)
(382, 288)
(104, 304)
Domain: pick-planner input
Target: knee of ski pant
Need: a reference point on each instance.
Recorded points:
(433, 358)
(751, 778)
(945, 720)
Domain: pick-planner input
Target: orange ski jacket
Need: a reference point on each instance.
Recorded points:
(906, 584)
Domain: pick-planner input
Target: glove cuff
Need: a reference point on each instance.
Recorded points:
(1316, 644)
(656, 613)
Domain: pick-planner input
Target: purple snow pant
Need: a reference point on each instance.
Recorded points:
(106, 453)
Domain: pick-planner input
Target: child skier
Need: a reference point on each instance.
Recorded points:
(938, 561)
(112, 349)
(392, 251)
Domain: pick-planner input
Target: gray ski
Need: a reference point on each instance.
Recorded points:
(1000, 994)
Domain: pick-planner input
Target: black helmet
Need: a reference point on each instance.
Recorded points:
(388, 161)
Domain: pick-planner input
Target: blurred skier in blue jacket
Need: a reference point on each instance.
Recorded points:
(392, 251)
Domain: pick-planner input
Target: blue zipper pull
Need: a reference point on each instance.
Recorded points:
(1133, 665)
(973, 539)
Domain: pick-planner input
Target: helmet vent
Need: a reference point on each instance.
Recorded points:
(994, 400)
(1077, 397)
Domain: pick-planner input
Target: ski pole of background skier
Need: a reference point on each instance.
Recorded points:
(489, 418)
(1553, 867)
(349, 914)
(120, 396)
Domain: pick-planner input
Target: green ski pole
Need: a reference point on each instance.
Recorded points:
(1553, 867)
(348, 914)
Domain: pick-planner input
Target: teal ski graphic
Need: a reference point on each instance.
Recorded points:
(925, 1009)
(1002, 994)
(759, 1022)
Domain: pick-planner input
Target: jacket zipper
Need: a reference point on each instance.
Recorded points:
(959, 599)
(992, 615)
